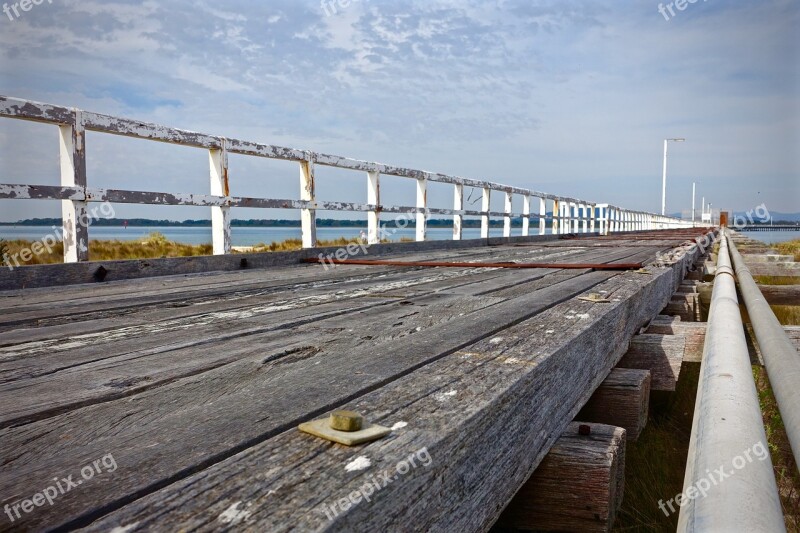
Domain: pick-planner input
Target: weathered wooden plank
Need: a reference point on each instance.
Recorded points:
(84, 273)
(774, 269)
(168, 328)
(109, 378)
(683, 305)
(512, 394)
(577, 487)
(277, 394)
(623, 399)
(152, 296)
(780, 294)
(662, 355)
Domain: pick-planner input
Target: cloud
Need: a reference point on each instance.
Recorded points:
(563, 96)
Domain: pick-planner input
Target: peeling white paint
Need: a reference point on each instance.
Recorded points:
(399, 425)
(233, 515)
(359, 463)
(496, 340)
(444, 396)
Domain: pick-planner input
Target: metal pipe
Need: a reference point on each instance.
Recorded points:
(729, 483)
(779, 354)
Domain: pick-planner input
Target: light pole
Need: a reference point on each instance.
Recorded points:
(693, 191)
(664, 176)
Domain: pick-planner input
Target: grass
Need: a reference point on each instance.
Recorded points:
(777, 280)
(152, 246)
(782, 459)
(655, 464)
(789, 248)
(296, 244)
(155, 245)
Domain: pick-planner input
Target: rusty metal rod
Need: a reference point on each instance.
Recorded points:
(450, 264)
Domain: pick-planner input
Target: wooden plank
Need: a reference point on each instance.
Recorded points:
(277, 394)
(512, 394)
(152, 296)
(683, 305)
(781, 294)
(578, 486)
(623, 399)
(662, 355)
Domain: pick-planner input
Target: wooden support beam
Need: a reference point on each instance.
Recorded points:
(683, 305)
(662, 355)
(577, 487)
(623, 400)
(781, 294)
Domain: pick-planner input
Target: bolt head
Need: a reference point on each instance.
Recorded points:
(346, 421)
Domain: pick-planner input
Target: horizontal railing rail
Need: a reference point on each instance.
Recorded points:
(566, 215)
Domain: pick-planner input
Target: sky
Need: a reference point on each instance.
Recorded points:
(567, 97)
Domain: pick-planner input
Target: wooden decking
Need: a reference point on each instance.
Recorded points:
(182, 394)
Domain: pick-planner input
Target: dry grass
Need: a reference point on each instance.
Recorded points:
(152, 246)
(777, 280)
(789, 248)
(655, 464)
(782, 459)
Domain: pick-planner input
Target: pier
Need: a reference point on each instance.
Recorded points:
(166, 394)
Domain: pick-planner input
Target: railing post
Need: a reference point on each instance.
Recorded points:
(526, 215)
(308, 216)
(554, 227)
(374, 199)
(458, 205)
(220, 215)
(542, 216)
(584, 217)
(485, 206)
(74, 214)
(422, 203)
(507, 214)
(574, 209)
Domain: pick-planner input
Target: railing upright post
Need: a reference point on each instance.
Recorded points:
(526, 215)
(308, 216)
(485, 206)
(422, 206)
(374, 199)
(509, 198)
(542, 216)
(584, 217)
(458, 205)
(554, 227)
(220, 214)
(74, 213)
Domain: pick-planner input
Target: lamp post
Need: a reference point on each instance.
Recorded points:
(693, 196)
(664, 176)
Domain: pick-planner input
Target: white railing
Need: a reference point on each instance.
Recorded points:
(567, 215)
